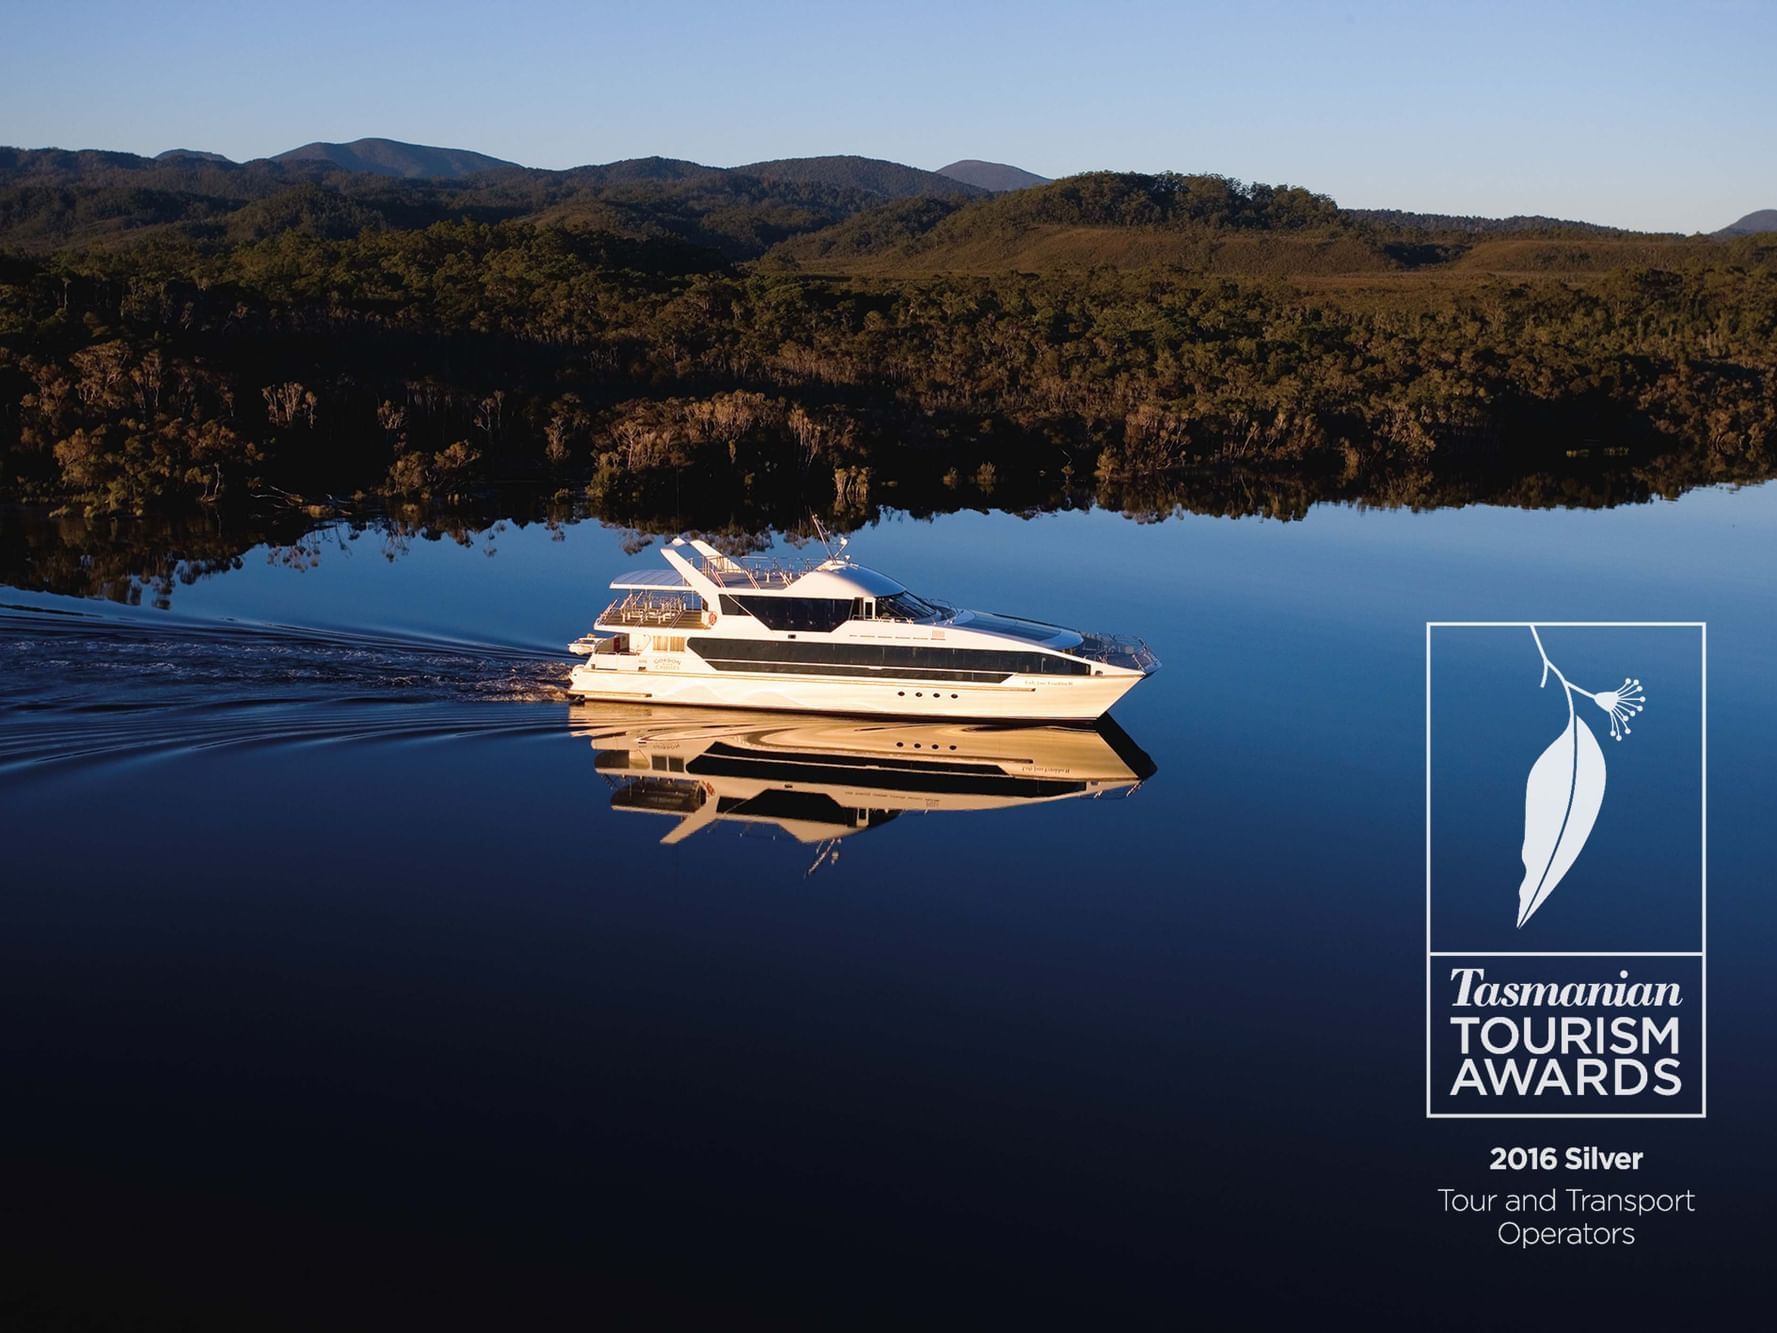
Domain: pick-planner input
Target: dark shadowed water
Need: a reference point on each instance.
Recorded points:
(347, 981)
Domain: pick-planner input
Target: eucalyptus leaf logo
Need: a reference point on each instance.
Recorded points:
(1565, 790)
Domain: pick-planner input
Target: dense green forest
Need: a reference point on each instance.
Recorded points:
(654, 335)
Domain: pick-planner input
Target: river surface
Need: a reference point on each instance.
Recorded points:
(347, 977)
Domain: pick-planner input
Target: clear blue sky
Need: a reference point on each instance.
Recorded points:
(1657, 115)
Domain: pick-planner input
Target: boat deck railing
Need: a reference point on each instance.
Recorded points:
(755, 571)
(1118, 650)
(653, 610)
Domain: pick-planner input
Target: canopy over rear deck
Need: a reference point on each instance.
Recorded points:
(653, 580)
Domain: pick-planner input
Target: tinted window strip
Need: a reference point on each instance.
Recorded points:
(891, 655)
(878, 673)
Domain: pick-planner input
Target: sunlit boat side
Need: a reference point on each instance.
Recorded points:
(832, 636)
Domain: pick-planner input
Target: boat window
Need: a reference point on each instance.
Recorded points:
(818, 614)
(905, 606)
(846, 658)
(731, 606)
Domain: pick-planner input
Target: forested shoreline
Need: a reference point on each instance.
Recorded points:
(310, 349)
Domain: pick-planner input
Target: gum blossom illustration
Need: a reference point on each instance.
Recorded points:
(1566, 786)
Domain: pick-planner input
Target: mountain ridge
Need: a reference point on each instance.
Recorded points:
(871, 175)
(1458, 222)
(1213, 224)
(786, 197)
(1762, 220)
(997, 177)
(192, 155)
(392, 157)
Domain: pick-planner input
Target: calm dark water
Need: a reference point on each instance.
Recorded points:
(338, 991)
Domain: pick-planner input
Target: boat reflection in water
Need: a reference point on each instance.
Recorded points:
(820, 778)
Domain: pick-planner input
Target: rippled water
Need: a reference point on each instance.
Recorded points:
(340, 952)
(96, 684)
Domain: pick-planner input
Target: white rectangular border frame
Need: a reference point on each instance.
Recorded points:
(1702, 954)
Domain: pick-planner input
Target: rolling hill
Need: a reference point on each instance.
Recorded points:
(1111, 218)
(191, 155)
(1049, 247)
(995, 176)
(1752, 224)
(1211, 224)
(868, 175)
(635, 171)
(389, 157)
(1516, 225)
(878, 233)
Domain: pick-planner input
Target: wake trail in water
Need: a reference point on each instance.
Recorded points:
(80, 685)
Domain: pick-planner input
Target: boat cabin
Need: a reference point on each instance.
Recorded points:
(809, 597)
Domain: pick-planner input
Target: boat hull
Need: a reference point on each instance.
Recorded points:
(1019, 698)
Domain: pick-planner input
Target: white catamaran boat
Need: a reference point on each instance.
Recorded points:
(830, 636)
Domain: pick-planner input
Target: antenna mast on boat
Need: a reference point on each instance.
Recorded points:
(833, 552)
